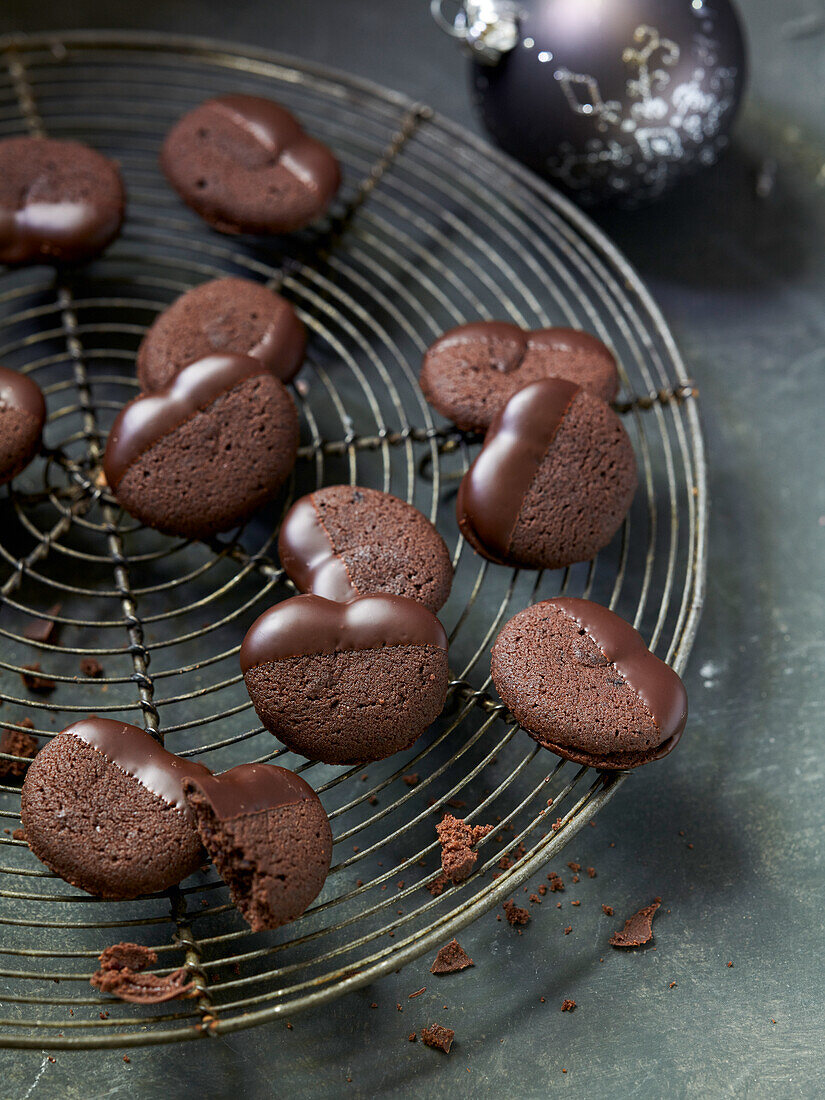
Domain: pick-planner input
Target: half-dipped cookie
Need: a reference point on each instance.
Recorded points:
(471, 372)
(268, 836)
(203, 453)
(59, 200)
(246, 166)
(582, 682)
(344, 541)
(553, 481)
(22, 416)
(223, 315)
(346, 683)
(102, 806)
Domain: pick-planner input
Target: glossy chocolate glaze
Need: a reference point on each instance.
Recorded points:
(18, 391)
(149, 417)
(492, 491)
(507, 344)
(304, 625)
(306, 553)
(249, 789)
(137, 753)
(655, 682)
(283, 138)
(61, 199)
(63, 227)
(282, 347)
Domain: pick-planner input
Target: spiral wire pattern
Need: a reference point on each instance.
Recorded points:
(432, 228)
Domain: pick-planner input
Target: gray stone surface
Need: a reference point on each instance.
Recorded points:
(741, 282)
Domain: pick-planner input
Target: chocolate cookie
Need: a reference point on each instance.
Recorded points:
(102, 806)
(582, 683)
(59, 200)
(553, 482)
(345, 541)
(224, 315)
(346, 683)
(22, 416)
(471, 372)
(268, 836)
(245, 165)
(202, 454)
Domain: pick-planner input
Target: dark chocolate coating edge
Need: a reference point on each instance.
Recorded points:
(149, 417)
(308, 556)
(655, 682)
(493, 489)
(139, 755)
(18, 391)
(250, 789)
(309, 624)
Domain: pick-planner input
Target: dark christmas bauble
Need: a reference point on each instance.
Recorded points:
(609, 99)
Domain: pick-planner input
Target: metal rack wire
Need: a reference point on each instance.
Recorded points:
(432, 228)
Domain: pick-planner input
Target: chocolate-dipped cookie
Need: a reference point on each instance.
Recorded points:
(471, 372)
(553, 481)
(223, 315)
(203, 453)
(59, 200)
(345, 541)
(268, 836)
(246, 166)
(22, 416)
(582, 682)
(102, 806)
(346, 683)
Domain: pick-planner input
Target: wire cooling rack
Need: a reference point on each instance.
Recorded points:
(432, 228)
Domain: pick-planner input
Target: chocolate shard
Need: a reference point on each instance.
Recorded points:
(451, 959)
(638, 929)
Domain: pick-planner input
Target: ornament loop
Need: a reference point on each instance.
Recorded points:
(458, 27)
(487, 28)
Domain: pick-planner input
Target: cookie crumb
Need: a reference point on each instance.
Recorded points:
(555, 881)
(638, 929)
(441, 1038)
(41, 630)
(91, 668)
(574, 866)
(123, 974)
(411, 1037)
(568, 930)
(672, 985)
(515, 914)
(607, 910)
(450, 959)
(17, 743)
(411, 780)
(567, 1005)
(438, 884)
(33, 681)
(591, 872)
(126, 1059)
(730, 964)
(458, 840)
(418, 992)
